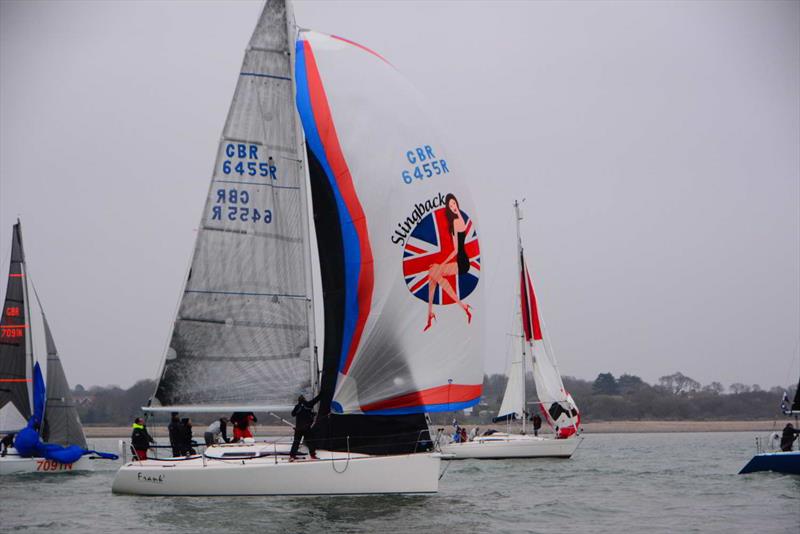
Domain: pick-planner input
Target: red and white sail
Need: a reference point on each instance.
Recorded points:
(557, 405)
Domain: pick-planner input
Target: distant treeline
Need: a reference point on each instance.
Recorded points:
(607, 398)
(675, 397)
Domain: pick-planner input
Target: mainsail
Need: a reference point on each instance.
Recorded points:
(513, 404)
(15, 361)
(243, 335)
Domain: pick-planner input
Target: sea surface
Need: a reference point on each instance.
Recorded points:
(683, 482)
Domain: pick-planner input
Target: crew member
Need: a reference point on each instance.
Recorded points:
(303, 413)
(186, 443)
(6, 442)
(241, 425)
(174, 429)
(537, 423)
(140, 439)
(788, 437)
(215, 430)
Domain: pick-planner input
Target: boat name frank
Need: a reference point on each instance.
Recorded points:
(154, 479)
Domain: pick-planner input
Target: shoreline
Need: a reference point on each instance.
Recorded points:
(597, 427)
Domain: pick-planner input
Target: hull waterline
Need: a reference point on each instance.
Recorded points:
(778, 462)
(13, 464)
(512, 446)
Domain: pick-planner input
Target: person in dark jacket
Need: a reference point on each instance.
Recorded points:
(303, 414)
(140, 439)
(537, 423)
(241, 425)
(6, 442)
(174, 429)
(186, 437)
(788, 437)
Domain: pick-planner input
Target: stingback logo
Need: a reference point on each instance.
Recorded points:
(441, 256)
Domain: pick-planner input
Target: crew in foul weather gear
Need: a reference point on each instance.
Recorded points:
(303, 413)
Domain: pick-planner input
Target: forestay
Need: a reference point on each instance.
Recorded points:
(241, 337)
(409, 314)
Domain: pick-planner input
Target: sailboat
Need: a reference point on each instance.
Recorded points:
(783, 461)
(320, 116)
(557, 406)
(48, 433)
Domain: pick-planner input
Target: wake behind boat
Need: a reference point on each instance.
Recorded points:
(556, 404)
(399, 262)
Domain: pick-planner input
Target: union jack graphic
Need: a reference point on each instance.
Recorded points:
(430, 243)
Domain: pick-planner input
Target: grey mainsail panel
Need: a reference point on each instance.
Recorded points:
(241, 335)
(14, 379)
(62, 424)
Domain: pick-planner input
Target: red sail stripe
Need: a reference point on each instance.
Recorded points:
(450, 393)
(341, 172)
(15, 380)
(364, 48)
(523, 301)
(537, 326)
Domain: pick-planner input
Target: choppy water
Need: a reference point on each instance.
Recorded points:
(632, 482)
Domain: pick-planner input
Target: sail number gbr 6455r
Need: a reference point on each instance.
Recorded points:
(425, 164)
(234, 205)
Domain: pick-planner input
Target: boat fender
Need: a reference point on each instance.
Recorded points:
(775, 441)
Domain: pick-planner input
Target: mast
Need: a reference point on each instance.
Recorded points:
(291, 35)
(27, 315)
(518, 217)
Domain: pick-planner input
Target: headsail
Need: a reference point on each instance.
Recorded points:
(401, 238)
(242, 335)
(62, 424)
(558, 407)
(15, 365)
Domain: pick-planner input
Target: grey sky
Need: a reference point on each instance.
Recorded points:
(657, 144)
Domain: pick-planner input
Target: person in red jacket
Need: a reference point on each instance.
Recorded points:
(241, 425)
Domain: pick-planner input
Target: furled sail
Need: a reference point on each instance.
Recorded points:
(15, 363)
(557, 405)
(242, 335)
(399, 248)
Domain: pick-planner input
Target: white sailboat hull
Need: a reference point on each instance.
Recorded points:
(13, 464)
(502, 445)
(219, 472)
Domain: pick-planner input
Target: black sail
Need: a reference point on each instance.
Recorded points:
(796, 402)
(14, 368)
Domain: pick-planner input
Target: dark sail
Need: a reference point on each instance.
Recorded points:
(62, 424)
(370, 434)
(796, 401)
(14, 379)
